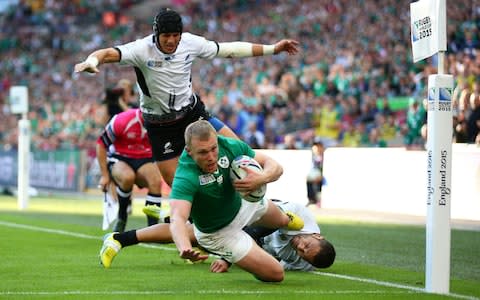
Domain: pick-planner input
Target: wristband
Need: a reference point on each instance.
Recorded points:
(268, 49)
(92, 61)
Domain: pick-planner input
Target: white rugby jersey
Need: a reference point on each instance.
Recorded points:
(165, 80)
(278, 243)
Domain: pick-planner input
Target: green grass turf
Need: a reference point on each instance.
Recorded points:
(49, 251)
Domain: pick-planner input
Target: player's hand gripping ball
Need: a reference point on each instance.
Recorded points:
(236, 172)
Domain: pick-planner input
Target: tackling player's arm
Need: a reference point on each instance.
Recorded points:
(245, 49)
(96, 58)
(180, 211)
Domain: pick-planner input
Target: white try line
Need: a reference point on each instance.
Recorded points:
(346, 277)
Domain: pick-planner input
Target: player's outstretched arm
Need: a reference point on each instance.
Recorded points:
(98, 57)
(287, 45)
(245, 49)
(180, 211)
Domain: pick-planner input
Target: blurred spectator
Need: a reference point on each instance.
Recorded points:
(416, 117)
(290, 142)
(315, 178)
(375, 139)
(326, 120)
(460, 129)
(473, 120)
(353, 55)
(351, 137)
(254, 137)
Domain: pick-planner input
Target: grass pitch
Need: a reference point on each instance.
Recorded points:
(50, 251)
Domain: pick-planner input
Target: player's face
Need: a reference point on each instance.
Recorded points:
(205, 153)
(307, 245)
(168, 42)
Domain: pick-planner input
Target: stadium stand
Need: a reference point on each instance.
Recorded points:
(353, 80)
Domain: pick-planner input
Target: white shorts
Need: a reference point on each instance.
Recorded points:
(231, 242)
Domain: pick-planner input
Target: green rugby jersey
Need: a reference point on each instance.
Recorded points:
(215, 203)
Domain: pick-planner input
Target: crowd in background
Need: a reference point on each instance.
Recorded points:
(355, 63)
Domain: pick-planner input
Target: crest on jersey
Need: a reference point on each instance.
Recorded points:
(223, 162)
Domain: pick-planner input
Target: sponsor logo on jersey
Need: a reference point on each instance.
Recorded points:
(220, 179)
(167, 148)
(223, 162)
(206, 179)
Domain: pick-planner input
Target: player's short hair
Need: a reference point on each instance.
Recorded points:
(167, 21)
(200, 129)
(326, 256)
(112, 95)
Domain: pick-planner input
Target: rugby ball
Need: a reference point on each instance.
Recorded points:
(236, 173)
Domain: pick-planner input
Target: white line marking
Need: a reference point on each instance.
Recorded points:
(85, 236)
(373, 281)
(207, 292)
(74, 234)
(389, 284)
(42, 229)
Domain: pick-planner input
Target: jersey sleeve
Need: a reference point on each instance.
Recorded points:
(239, 147)
(206, 49)
(128, 52)
(183, 187)
(109, 136)
(246, 149)
(300, 265)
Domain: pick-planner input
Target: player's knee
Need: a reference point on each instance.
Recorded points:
(283, 221)
(130, 179)
(126, 181)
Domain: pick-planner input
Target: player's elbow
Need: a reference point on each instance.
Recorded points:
(273, 276)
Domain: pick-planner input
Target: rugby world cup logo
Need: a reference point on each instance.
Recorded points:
(431, 99)
(445, 94)
(421, 28)
(444, 98)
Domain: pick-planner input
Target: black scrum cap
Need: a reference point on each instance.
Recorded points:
(167, 21)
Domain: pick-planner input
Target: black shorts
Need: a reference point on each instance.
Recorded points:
(167, 139)
(134, 163)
